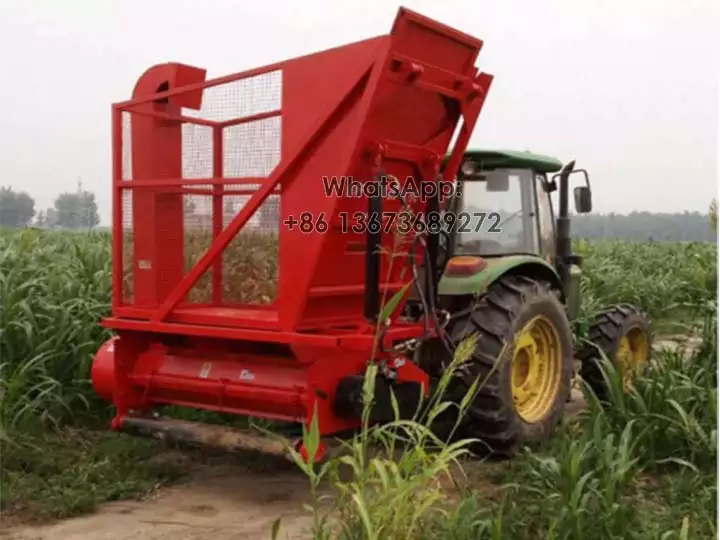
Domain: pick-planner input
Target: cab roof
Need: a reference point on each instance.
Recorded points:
(513, 159)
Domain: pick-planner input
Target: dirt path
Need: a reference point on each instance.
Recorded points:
(221, 502)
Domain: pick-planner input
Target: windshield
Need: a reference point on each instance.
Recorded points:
(493, 222)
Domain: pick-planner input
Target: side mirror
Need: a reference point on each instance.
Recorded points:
(583, 199)
(497, 181)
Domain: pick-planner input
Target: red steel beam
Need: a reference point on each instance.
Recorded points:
(471, 112)
(349, 340)
(218, 212)
(203, 121)
(176, 117)
(117, 210)
(251, 118)
(179, 182)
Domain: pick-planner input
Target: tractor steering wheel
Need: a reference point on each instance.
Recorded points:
(484, 246)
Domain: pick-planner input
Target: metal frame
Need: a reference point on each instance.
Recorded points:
(300, 347)
(531, 233)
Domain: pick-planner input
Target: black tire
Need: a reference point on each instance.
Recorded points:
(606, 331)
(509, 304)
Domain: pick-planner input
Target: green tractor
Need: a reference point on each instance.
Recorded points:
(509, 277)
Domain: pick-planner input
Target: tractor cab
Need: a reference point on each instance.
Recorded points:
(501, 218)
(503, 205)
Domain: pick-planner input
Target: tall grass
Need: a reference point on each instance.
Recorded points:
(673, 411)
(640, 466)
(54, 288)
(598, 479)
(668, 280)
(390, 479)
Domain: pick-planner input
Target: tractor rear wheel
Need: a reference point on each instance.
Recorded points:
(522, 360)
(622, 332)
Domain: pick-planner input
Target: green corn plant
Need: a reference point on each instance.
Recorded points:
(399, 480)
(54, 288)
(389, 480)
(673, 405)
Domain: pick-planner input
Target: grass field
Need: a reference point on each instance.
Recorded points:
(643, 469)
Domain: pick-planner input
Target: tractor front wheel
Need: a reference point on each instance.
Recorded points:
(522, 361)
(622, 332)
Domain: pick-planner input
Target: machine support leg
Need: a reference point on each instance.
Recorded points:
(372, 254)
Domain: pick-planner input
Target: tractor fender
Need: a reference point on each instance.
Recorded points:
(478, 283)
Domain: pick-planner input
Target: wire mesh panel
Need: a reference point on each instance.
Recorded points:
(234, 135)
(197, 236)
(251, 149)
(126, 146)
(128, 244)
(126, 208)
(197, 152)
(250, 263)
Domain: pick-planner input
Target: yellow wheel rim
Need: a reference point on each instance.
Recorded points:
(536, 369)
(632, 355)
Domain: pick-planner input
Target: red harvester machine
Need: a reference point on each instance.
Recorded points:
(200, 166)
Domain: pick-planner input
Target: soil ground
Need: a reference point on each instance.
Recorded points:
(218, 502)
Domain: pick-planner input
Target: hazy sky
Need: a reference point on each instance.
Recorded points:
(628, 88)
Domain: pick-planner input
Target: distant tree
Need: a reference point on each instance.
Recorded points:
(40, 220)
(685, 226)
(16, 208)
(76, 210)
